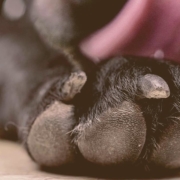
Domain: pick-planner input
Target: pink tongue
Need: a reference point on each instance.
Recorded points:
(143, 27)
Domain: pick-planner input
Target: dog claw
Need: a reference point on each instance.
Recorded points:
(153, 86)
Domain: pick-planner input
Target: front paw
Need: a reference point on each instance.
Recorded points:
(129, 119)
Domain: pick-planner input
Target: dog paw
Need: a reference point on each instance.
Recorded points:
(130, 120)
(128, 114)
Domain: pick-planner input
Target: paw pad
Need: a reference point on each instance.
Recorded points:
(49, 141)
(117, 136)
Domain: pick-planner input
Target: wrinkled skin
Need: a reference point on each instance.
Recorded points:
(127, 112)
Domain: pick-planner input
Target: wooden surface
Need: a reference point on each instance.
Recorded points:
(15, 164)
